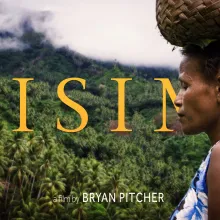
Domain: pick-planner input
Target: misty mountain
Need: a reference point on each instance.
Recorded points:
(6, 34)
(39, 55)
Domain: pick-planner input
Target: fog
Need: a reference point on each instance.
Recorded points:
(124, 30)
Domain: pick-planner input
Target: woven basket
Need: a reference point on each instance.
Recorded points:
(188, 21)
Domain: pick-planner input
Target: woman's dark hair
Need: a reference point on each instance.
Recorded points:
(209, 56)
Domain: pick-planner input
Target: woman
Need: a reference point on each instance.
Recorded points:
(199, 111)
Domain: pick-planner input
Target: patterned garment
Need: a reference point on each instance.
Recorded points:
(194, 205)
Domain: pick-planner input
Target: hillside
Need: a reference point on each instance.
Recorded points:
(39, 166)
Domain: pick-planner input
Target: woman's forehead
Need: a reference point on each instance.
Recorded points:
(190, 64)
(191, 68)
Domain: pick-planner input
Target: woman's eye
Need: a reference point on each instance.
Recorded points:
(184, 85)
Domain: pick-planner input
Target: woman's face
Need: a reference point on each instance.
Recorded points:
(197, 100)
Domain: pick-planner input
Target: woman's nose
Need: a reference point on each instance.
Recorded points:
(178, 100)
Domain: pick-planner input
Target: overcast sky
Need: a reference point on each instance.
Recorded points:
(124, 30)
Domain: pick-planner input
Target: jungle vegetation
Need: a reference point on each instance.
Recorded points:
(36, 167)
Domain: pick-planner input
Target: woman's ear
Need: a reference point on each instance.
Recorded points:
(218, 86)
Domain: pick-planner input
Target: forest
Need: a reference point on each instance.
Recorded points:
(36, 167)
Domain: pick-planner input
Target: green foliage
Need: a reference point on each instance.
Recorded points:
(36, 168)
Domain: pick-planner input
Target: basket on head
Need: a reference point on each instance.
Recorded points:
(188, 21)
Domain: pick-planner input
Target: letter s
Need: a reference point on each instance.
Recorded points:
(82, 112)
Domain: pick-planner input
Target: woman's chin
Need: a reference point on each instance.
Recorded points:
(190, 130)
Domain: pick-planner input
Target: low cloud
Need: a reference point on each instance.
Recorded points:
(12, 43)
(112, 29)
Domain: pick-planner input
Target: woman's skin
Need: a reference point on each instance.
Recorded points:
(199, 111)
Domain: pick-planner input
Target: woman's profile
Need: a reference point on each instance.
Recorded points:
(199, 111)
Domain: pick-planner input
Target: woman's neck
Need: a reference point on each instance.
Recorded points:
(214, 134)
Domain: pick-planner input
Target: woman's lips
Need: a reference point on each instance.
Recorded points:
(180, 116)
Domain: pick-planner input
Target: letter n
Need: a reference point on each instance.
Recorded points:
(166, 87)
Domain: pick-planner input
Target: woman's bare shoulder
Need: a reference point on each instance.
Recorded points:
(215, 157)
(216, 149)
(213, 182)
